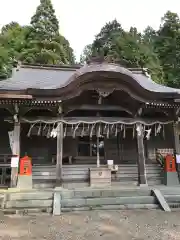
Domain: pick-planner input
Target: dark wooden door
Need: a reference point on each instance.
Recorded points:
(127, 147)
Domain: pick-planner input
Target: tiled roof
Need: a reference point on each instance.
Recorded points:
(53, 77)
(34, 77)
(150, 85)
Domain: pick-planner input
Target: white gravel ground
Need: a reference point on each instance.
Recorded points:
(92, 225)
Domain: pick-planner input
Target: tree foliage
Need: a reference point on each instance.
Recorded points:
(159, 51)
(167, 45)
(44, 22)
(46, 45)
(5, 63)
(130, 48)
(40, 42)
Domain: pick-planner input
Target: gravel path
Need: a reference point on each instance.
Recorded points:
(93, 225)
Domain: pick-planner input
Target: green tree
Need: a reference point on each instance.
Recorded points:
(86, 54)
(167, 45)
(127, 48)
(131, 51)
(5, 64)
(103, 42)
(46, 45)
(12, 42)
(149, 36)
(14, 39)
(44, 23)
(39, 42)
(12, 25)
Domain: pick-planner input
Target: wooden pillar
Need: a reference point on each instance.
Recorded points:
(176, 138)
(15, 151)
(141, 156)
(176, 144)
(59, 154)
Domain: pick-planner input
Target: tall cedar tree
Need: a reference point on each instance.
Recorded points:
(167, 45)
(44, 22)
(46, 45)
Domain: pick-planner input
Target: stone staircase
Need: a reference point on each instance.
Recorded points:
(35, 201)
(105, 199)
(154, 174)
(172, 197)
(44, 176)
(119, 198)
(85, 199)
(27, 202)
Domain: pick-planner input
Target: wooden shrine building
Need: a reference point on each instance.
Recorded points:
(70, 118)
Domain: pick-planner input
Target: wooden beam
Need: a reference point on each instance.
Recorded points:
(176, 138)
(59, 154)
(15, 96)
(99, 107)
(176, 144)
(141, 156)
(15, 151)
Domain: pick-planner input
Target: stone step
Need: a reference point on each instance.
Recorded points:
(172, 198)
(100, 193)
(40, 167)
(80, 173)
(19, 204)
(108, 201)
(170, 190)
(112, 207)
(27, 211)
(29, 196)
(43, 184)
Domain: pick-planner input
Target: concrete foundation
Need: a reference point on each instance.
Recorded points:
(171, 179)
(57, 201)
(143, 185)
(24, 182)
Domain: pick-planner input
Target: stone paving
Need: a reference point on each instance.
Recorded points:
(93, 225)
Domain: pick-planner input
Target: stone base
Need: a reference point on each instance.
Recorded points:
(143, 185)
(57, 204)
(100, 177)
(24, 182)
(171, 179)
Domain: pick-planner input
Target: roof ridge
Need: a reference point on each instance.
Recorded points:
(68, 67)
(50, 66)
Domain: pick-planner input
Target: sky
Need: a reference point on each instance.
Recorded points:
(81, 20)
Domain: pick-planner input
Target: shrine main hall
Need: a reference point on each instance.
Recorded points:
(69, 119)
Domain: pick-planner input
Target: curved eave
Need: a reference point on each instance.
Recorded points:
(107, 72)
